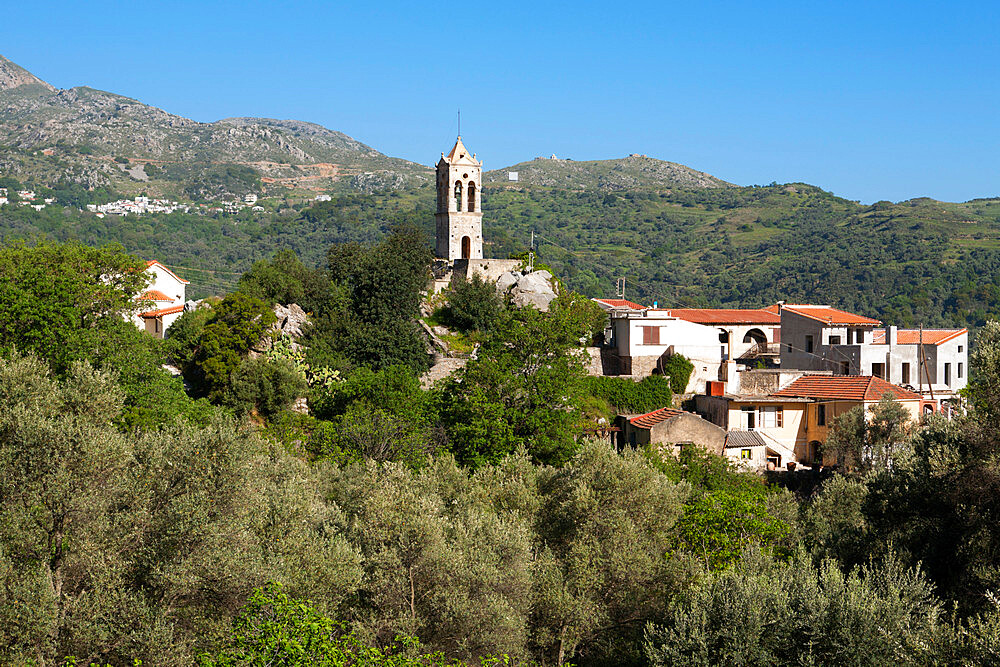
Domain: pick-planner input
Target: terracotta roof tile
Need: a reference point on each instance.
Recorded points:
(162, 311)
(651, 419)
(154, 295)
(844, 387)
(725, 315)
(912, 336)
(621, 303)
(829, 315)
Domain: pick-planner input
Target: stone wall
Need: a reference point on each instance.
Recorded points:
(487, 269)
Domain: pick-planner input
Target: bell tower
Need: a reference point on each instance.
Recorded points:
(459, 205)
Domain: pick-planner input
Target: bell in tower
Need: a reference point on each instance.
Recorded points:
(459, 205)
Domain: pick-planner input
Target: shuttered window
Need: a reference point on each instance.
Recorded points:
(651, 335)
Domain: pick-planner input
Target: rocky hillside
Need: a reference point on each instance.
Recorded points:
(634, 171)
(84, 128)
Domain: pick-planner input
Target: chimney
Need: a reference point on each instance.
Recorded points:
(781, 305)
(891, 335)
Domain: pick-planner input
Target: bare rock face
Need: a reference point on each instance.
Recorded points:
(532, 289)
(291, 320)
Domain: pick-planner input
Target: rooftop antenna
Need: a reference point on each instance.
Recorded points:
(459, 122)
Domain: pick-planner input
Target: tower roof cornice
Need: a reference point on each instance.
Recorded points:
(459, 154)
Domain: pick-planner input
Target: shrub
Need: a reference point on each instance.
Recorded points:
(472, 305)
(626, 395)
(678, 369)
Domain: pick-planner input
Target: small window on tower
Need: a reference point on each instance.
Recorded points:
(472, 197)
(458, 196)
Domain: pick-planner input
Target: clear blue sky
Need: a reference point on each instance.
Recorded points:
(871, 100)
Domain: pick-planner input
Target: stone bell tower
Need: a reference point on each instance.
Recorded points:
(459, 209)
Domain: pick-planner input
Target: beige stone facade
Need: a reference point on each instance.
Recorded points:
(459, 214)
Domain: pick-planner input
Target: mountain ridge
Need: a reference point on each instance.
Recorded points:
(87, 129)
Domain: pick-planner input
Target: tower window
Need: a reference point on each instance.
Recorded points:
(458, 196)
(472, 197)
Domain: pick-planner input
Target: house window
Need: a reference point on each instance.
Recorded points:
(156, 325)
(960, 348)
(788, 347)
(748, 417)
(834, 340)
(820, 415)
(770, 416)
(859, 336)
(809, 344)
(906, 373)
(746, 454)
(850, 336)
(845, 368)
(960, 369)
(651, 335)
(947, 373)
(878, 370)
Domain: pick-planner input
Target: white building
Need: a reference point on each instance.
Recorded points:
(164, 299)
(934, 363)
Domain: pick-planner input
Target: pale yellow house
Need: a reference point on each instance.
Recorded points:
(791, 424)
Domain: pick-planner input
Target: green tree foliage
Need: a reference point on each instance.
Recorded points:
(524, 387)
(69, 303)
(236, 325)
(142, 547)
(60, 300)
(473, 305)
(284, 279)
(767, 612)
(265, 386)
(275, 629)
(867, 442)
(627, 395)
(678, 369)
(384, 284)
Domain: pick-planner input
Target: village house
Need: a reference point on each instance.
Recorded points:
(935, 362)
(163, 300)
(718, 341)
(791, 424)
(670, 427)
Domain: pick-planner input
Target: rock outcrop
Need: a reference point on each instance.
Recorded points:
(527, 289)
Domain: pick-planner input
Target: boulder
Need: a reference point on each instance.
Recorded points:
(534, 289)
(506, 281)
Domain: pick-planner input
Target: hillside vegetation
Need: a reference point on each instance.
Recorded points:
(920, 261)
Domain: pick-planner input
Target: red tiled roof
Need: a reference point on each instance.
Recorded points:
(153, 261)
(651, 419)
(154, 295)
(912, 336)
(621, 303)
(725, 315)
(162, 311)
(830, 315)
(844, 387)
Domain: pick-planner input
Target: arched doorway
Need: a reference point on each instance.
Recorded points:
(466, 247)
(755, 336)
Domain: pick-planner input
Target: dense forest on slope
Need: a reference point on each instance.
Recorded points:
(919, 261)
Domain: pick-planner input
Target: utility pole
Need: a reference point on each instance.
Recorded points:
(621, 288)
(920, 356)
(531, 253)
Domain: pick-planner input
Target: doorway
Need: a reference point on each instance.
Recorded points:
(466, 247)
